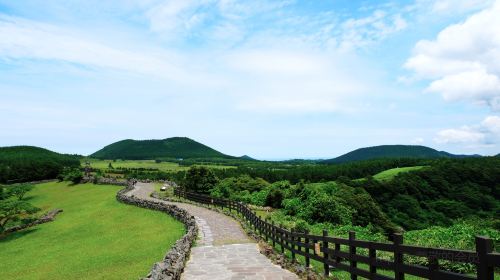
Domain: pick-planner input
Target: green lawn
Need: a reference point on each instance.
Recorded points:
(134, 164)
(96, 237)
(391, 173)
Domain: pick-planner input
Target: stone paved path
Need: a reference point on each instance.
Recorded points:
(223, 250)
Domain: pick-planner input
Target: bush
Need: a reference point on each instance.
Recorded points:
(274, 198)
(301, 226)
(12, 206)
(458, 236)
(324, 208)
(74, 175)
(200, 179)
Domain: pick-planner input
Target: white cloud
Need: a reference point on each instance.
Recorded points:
(254, 79)
(477, 86)
(26, 39)
(485, 133)
(285, 81)
(492, 124)
(457, 6)
(418, 141)
(464, 60)
(361, 32)
(464, 134)
(172, 15)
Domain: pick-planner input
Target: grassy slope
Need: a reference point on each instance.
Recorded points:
(96, 237)
(162, 166)
(391, 173)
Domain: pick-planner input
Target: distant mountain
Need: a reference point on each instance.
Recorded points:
(175, 147)
(28, 163)
(245, 157)
(393, 151)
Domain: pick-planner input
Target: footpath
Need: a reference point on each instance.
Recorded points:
(223, 250)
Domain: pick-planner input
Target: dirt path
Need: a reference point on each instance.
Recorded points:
(223, 250)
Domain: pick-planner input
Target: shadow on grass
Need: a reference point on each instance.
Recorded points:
(17, 235)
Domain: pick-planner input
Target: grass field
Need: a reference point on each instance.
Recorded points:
(391, 173)
(96, 237)
(134, 164)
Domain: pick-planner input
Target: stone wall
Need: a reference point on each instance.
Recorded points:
(104, 181)
(49, 217)
(174, 261)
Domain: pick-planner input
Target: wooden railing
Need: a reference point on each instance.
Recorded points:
(330, 251)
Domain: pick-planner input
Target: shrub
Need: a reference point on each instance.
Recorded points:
(274, 198)
(74, 175)
(200, 179)
(324, 208)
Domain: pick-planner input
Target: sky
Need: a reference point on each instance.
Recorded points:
(270, 79)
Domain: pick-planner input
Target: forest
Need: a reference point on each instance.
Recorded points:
(26, 163)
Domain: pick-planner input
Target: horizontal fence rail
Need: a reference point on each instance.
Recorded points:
(331, 251)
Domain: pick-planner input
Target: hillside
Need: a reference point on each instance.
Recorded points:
(176, 147)
(27, 163)
(392, 151)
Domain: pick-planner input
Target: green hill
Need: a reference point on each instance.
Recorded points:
(27, 163)
(176, 147)
(392, 151)
(389, 174)
(246, 157)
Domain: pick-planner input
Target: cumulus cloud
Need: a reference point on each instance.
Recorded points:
(485, 133)
(463, 62)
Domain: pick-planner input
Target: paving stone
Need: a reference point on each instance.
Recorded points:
(223, 250)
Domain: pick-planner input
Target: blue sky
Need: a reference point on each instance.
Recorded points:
(271, 79)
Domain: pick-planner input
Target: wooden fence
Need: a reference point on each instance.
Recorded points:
(331, 251)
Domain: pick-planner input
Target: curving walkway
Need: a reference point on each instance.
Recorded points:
(223, 250)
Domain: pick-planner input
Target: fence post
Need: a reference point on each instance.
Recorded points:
(352, 252)
(372, 254)
(266, 231)
(307, 251)
(273, 233)
(292, 244)
(433, 267)
(282, 233)
(398, 257)
(326, 267)
(484, 245)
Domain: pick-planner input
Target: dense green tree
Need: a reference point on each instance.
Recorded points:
(200, 179)
(11, 210)
(274, 197)
(19, 190)
(437, 195)
(74, 175)
(12, 206)
(321, 207)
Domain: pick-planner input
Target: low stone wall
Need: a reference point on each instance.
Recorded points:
(104, 181)
(172, 265)
(49, 217)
